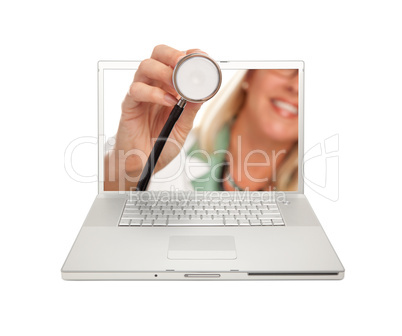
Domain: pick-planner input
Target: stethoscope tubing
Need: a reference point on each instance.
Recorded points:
(159, 144)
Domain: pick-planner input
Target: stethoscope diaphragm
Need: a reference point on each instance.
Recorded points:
(197, 78)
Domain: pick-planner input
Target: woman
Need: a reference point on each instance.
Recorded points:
(250, 138)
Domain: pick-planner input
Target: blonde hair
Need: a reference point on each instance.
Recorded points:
(222, 109)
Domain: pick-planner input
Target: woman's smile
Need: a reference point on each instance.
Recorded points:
(284, 108)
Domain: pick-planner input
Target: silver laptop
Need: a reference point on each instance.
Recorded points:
(199, 219)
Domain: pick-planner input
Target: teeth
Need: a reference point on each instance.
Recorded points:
(286, 106)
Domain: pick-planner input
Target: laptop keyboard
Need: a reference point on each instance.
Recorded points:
(201, 212)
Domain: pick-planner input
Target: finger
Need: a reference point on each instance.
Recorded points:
(143, 93)
(193, 51)
(167, 55)
(151, 69)
(168, 88)
(185, 122)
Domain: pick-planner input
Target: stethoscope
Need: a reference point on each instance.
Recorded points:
(196, 78)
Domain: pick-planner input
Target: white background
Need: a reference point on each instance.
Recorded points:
(48, 98)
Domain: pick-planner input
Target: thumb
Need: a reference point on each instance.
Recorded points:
(186, 119)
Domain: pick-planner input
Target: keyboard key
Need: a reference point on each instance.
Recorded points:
(160, 223)
(132, 216)
(135, 223)
(243, 222)
(269, 216)
(279, 223)
(254, 223)
(266, 222)
(180, 222)
(131, 206)
(132, 210)
(125, 222)
(231, 222)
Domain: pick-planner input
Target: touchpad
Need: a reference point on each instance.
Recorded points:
(202, 247)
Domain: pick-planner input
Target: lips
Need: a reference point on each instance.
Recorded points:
(285, 109)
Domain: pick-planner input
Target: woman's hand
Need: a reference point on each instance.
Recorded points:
(145, 110)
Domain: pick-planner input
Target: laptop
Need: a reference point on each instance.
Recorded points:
(198, 220)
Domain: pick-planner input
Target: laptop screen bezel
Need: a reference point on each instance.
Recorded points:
(224, 65)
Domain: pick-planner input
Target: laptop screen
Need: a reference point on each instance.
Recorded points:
(246, 138)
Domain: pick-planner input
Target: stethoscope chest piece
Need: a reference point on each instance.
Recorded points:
(197, 78)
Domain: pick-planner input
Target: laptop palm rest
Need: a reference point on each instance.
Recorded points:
(201, 247)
